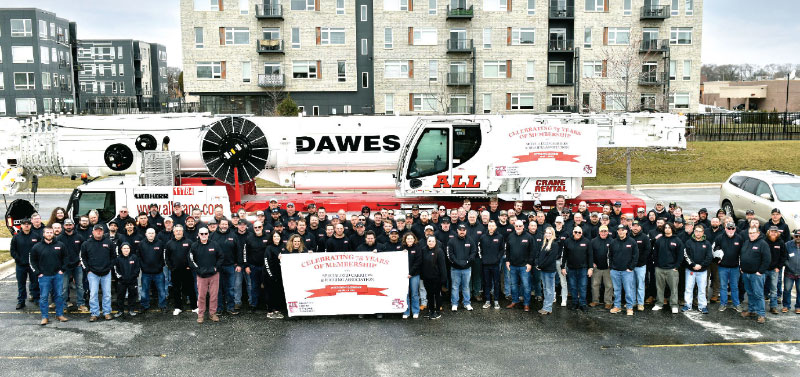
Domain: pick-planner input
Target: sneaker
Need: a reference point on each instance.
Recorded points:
(214, 317)
(773, 310)
(615, 310)
(539, 298)
(487, 305)
(200, 319)
(270, 316)
(93, 318)
(738, 308)
(83, 308)
(704, 310)
(761, 320)
(640, 308)
(593, 304)
(195, 310)
(629, 312)
(415, 316)
(118, 314)
(436, 315)
(656, 308)
(685, 308)
(107, 317)
(674, 310)
(497, 305)
(784, 310)
(454, 308)
(405, 316)
(44, 321)
(722, 307)
(62, 319)
(468, 307)
(564, 302)
(176, 311)
(543, 312)
(132, 313)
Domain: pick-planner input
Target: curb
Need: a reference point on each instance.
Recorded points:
(7, 266)
(47, 191)
(656, 186)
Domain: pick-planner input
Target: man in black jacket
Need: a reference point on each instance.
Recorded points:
(576, 264)
(127, 268)
(777, 248)
(622, 256)
(521, 252)
(177, 259)
(601, 274)
(21, 245)
(491, 247)
(151, 254)
(754, 260)
(461, 251)
(640, 271)
(253, 252)
(730, 244)
(205, 259)
(668, 256)
(229, 248)
(47, 263)
(697, 254)
(97, 257)
(72, 266)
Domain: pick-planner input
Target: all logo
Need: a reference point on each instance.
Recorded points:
(442, 181)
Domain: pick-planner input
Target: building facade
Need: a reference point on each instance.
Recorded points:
(764, 95)
(443, 56)
(36, 64)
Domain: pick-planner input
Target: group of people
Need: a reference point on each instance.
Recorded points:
(484, 254)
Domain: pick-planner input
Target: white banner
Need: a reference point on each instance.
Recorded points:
(345, 283)
(544, 150)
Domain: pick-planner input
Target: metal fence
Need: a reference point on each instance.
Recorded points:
(111, 108)
(743, 126)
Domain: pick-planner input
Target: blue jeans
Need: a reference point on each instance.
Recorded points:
(25, 273)
(158, 279)
(754, 286)
(520, 276)
(413, 294)
(460, 278)
(728, 276)
(226, 292)
(577, 280)
(788, 283)
(506, 277)
(549, 285)
(167, 278)
(237, 286)
(77, 275)
(99, 282)
(536, 278)
(772, 280)
(620, 280)
(255, 284)
(51, 284)
(700, 278)
(640, 273)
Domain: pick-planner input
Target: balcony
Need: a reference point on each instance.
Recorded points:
(654, 46)
(460, 13)
(265, 46)
(559, 79)
(138, 91)
(137, 74)
(562, 109)
(459, 45)
(459, 109)
(562, 13)
(269, 11)
(651, 78)
(460, 78)
(272, 80)
(64, 87)
(62, 63)
(654, 12)
(561, 45)
(137, 55)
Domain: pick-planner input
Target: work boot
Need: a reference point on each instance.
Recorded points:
(93, 318)
(52, 305)
(214, 317)
(649, 300)
(714, 299)
(761, 319)
(785, 310)
(511, 305)
(237, 307)
(745, 314)
(594, 303)
(615, 310)
(640, 308)
(21, 306)
(527, 308)
(107, 317)
(83, 308)
(773, 310)
(608, 306)
(62, 318)
(629, 312)
(199, 319)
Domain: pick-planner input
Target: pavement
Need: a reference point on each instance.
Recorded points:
(482, 342)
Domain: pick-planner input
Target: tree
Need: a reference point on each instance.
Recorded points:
(288, 107)
(175, 82)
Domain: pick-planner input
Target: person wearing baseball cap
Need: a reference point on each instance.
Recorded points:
(754, 263)
(601, 275)
(730, 244)
(776, 220)
(178, 216)
(622, 256)
(791, 276)
(72, 269)
(461, 251)
(777, 248)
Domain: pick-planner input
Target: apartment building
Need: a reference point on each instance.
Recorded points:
(36, 74)
(443, 56)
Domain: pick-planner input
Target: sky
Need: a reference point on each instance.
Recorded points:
(734, 31)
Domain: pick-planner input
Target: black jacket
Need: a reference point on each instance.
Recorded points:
(205, 259)
(461, 252)
(177, 254)
(623, 254)
(152, 256)
(433, 267)
(546, 259)
(415, 259)
(783, 229)
(334, 244)
(755, 256)
(254, 249)
(731, 248)
(309, 239)
(72, 248)
(127, 268)
(669, 252)
(47, 258)
(229, 247)
(134, 240)
(643, 242)
(697, 253)
(444, 237)
(98, 256)
(389, 246)
(600, 252)
(577, 253)
(521, 249)
(376, 247)
(358, 239)
(777, 251)
(475, 231)
(272, 263)
(491, 247)
(21, 245)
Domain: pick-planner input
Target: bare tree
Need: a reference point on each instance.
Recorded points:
(173, 82)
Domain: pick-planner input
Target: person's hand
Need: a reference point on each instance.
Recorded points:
(247, 269)
(675, 269)
(564, 271)
(589, 274)
(696, 267)
(40, 275)
(61, 272)
(527, 268)
(409, 276)
(280, 256)
(758, 273)
(629, 270)
(375, 250)
(238, 269)
(508, 266)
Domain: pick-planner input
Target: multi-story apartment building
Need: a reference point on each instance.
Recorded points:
(121, 73)
(36, 74)
(444, 56)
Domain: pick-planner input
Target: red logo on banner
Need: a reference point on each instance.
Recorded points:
(536, 156)
(333, 290)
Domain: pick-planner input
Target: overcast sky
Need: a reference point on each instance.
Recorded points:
(735, 31)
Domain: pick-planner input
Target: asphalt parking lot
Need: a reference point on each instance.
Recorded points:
(481, 342)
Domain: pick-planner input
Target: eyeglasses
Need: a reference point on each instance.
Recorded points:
(391, 212)
(577, 232)
(257, 227)
(203, 234)
(123, 211)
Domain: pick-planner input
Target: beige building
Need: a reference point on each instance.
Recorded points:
(443, 56)
(767, 95)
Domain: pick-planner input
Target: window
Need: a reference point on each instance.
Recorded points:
(494, 69)
(122, 87)
(365, 79)
(45, 80)
(331, 36)
(432, 7)
(619, 35)
(395, 69)
(431, 154)
(301, 110)
(587, 37)
(364, 47)
(395, 5)
(246, 72)
(674, 7)
(1, 54)
(26, 106)
(487, 103)
(363, 13)
(302, 4)
(586, 100)
(244, 6)
(24, 80)
(521, 101)
(304, 69)
(113, 87)
(2, 82)
(680, 36)
(44, 55)
(689, 10)
(593, 68)
(339, 6)
(458, 105)
(647, 101)
(558, 102)
(348, 109)
(53, 30)
(207, 5)
(272, 68)
(425, 37)
(237, 36)
(522, 36)
(315, 111)
(388, 41)
(2, 106)
(21, 28)
(531, 6)
(433, 70)
(104, 53)
(424, 102)
(295, 37)
(679, 101)
(530, 70)
(47, 103)
(626, 7)
(22, 54)
(388, 104)
(198, 37)
(673, 70)
(42, 29)
(53, 55)
(595, 5)
(209, 70)
(687, 70)
(495, 5)
(615, 101)
(121, 70)
(487, 38)
(341, 70)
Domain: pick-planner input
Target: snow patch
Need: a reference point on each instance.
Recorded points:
(726, 332)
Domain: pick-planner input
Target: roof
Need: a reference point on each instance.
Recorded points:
(770, 175)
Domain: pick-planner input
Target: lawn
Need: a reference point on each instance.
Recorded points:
(5, 256)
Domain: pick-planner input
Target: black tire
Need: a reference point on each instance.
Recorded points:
(728, 207)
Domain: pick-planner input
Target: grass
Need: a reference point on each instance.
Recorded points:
(706, 161)
(5, 256)
(54, 182)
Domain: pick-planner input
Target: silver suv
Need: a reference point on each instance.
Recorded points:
(762, 191)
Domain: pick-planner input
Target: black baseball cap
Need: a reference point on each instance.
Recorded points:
(635, 222)
(678, 220)
(774, 228)
(776, 210)
(617, 204)
(673, 204)
(26, 220)
(153, 205)
(275, 210)
(702, 210)
(277, 223)
(236, 215)
(730, 226)
(415, 206)
(620, 226)
(445, 219)
(462, 226)
(394, 230)
(97, 226)
(176, 204)
(797, 232)
(750, 212)
(359, 225)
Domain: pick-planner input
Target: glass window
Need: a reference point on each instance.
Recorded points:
(487, 103)
(431, 155)
(364, 13)
(209, 70)
(103, 202)
(433, 70)
(246, 72)
(2, 106)
(45, 80)
(302, 4)
(364, 47)
(586, 100)
(304, 69)
(466, 142)
(679, 100)
(530, 70)
(680, 36)
(626, 7)
(53, 30)
(198, 37)
(341, 70)
(587, 37)
(762, 188)
(487, 38)
(24, 80)
(237, 36)
(395, 5)
(388, 41)
(673, 70)
(531, 6)
(42, 29)
(493, 69)
(595, 5)
(424, 102)
(388, 104)
(619, 35)
(521, 101)
(687, 70)
(689, 7)
(21, 28)
(295, 37)
(339, 6)
(615, 101)
(425, 37)
(495, 5)
(2, 81)
(244, 6)
(44, 54)
(785, 192)
(365, 79)
(674, 7)
(395, 69)
(431, 6)
(331, 36)
(22, 54)
(593, 68)
(522, 36)
(26, 106)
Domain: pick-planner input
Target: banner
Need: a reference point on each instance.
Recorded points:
(345, 283)
(543, 150)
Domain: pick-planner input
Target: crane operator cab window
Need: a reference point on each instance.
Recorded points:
(431, 155)
(103, 202)
(466, 142)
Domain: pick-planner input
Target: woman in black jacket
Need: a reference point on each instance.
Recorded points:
(549, 253)
(410, 245)
(273, 280)
(434, 275)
